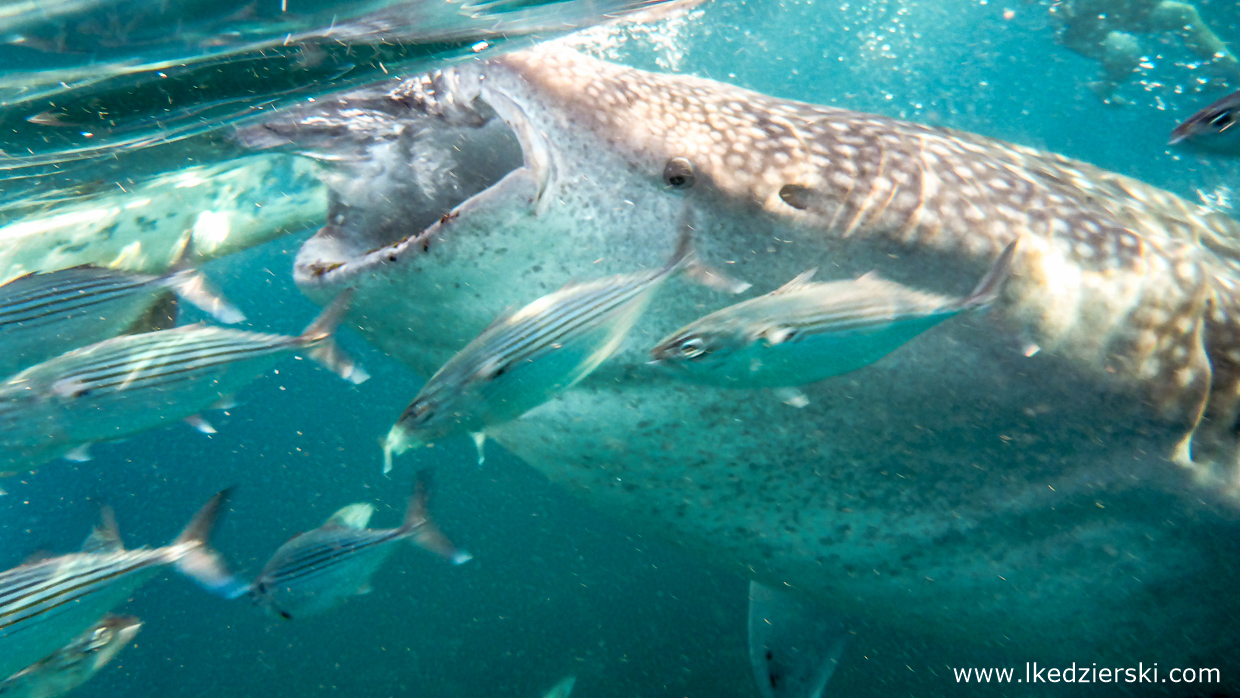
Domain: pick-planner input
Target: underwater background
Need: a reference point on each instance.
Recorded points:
(554, 588)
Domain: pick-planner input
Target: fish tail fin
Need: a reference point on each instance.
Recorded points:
(423, 532)
(192, 286)
(685, 258)
(321, 334)
(988, 288)
(199, 561)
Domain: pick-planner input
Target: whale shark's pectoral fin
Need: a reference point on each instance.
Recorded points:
(1181, 377)
(794, 646)
(1212, 447)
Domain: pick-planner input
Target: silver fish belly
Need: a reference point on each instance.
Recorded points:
(129, 384)
(1091, 410)
(45, 315)
(74, 664)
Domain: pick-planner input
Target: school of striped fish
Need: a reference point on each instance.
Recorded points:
(129, 368)
(92, 355)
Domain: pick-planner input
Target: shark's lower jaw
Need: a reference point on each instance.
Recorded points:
(963, 486)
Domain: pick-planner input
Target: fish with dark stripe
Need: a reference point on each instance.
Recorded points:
(1213, 127)
(129, 384)
(805, 332)
(75, 663)
(46, 603)
(44, 315)
(525, 358)
(318, 569)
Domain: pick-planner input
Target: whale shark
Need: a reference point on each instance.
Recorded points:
(1055, 478)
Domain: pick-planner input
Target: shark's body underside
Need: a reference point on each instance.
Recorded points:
(1058, 475)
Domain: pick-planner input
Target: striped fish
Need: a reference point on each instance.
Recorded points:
(525, 358)
(45, 603)
(129, 384)
(44, 315)
(75, 663)
(318, 569)
(805, 332)
(1213, 127)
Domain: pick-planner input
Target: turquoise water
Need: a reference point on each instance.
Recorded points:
(555, 587)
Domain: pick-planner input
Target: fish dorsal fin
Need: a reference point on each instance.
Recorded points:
(38, 556)
(27, 275)
(353, 516)
(502, 317)
(106, 536)
(798, 282)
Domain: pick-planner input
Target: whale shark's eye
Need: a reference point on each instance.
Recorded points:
(678, 174)
(691, 347)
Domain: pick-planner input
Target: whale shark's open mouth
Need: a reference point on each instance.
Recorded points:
(402, 160)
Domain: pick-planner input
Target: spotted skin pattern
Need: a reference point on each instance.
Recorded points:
(1006, 479)
(1112, 272)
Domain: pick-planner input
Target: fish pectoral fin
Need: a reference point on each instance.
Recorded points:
(714, 279)
(777, 335)
(69, 388)
(193, 287)
(79, 454)
(493, 367)
(196, 421)
(798, 282)
(792, 397)
(988, 288)
(480, 440)
(320, 338)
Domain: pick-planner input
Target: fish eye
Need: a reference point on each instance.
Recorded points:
(421, 410)
(679, 174)
(691, 347)
(1221, 120)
